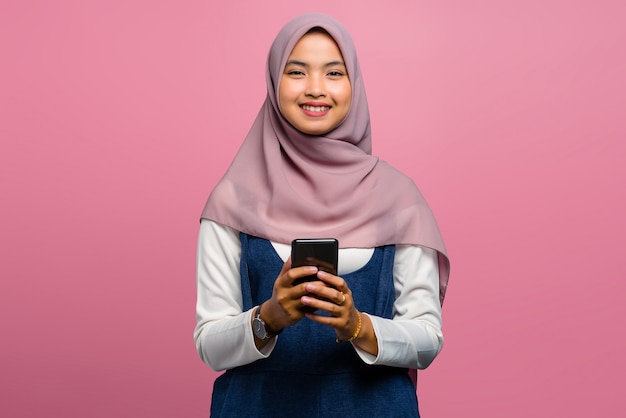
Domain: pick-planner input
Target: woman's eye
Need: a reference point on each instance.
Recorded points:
(335, 74)
(295, 72)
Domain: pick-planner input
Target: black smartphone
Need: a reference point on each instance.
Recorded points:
(319, 252)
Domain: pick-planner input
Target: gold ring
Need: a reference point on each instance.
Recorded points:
(342, 300)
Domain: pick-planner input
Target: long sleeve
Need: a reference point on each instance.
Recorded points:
(413, 338)
(223, 334)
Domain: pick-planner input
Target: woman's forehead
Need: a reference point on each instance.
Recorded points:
(315, 45)
(319, 32)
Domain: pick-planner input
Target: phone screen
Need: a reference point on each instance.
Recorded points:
(319, 252)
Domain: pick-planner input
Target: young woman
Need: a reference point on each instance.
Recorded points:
(341, 345)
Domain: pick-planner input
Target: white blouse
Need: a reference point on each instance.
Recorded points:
(223, 332)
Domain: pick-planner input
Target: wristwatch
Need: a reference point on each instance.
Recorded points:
(259, 327)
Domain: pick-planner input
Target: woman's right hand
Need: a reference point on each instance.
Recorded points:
(284, 308)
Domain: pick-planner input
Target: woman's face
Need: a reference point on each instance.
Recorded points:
(314, 91)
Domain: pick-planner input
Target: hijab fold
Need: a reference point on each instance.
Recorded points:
(284, 184)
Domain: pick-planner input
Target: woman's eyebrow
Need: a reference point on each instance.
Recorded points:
(304, 64)
(334, 63)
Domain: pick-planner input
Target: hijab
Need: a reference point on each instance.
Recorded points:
(284, 184)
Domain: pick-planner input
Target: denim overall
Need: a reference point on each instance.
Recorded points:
(308, 374)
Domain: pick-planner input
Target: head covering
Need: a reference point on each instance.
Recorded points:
(284, 184)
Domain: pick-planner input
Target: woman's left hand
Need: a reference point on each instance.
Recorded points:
(336, 300)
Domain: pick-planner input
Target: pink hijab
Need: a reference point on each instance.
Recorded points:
(284, 184)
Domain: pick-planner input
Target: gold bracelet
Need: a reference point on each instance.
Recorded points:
(356, 331)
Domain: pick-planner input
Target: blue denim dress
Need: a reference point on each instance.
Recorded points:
(308, 374)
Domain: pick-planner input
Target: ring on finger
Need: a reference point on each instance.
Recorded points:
(343, 295)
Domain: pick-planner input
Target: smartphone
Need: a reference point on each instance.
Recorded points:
(319, 252)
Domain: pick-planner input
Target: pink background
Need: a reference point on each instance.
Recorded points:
(118, 117)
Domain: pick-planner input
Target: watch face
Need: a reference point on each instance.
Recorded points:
(259, 328)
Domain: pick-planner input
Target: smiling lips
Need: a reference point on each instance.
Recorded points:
(315, 110)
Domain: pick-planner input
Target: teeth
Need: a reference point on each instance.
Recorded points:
(315, 108)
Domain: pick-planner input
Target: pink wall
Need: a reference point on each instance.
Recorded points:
(117, 118)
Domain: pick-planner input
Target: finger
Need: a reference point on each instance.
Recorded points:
(303, 275)
(288, 275)
(326, 293)
(332, 280)
(342, 300)
(327, 306)
(286, 266)
(283, 279)
(344, 326)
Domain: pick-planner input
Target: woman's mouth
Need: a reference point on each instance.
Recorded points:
(315, 109)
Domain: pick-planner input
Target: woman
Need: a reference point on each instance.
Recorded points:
(340, 345)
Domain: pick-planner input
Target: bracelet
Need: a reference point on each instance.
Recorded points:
(356, 331)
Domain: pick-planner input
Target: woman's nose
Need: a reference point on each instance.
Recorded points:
(315, 87)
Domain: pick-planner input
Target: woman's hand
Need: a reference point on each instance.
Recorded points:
(285, 307)
(333, 296)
